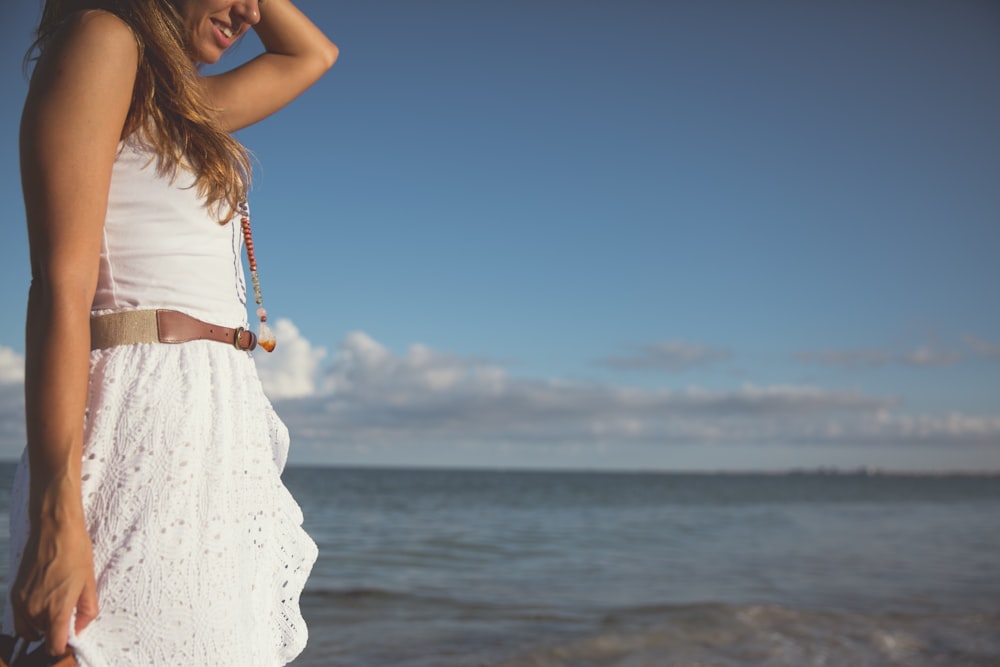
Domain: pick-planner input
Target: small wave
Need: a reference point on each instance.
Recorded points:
(327, 598)
(361, 593)
(720, 635)
(352, 597)
(328, 595)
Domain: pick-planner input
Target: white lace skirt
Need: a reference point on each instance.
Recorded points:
(198, 547)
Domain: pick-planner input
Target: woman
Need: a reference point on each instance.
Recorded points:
(149, 523)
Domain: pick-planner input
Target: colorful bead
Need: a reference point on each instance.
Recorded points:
(265, 338)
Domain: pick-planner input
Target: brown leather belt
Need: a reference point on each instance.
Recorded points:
(129, 327)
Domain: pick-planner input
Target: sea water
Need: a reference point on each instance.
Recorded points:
(442, 568)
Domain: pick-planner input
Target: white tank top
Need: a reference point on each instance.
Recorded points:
(163, 248)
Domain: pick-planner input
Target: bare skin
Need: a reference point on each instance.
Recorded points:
(297, 54)
(72, 123)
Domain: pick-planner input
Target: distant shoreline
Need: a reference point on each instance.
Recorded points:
(820, 471)
(823, 471)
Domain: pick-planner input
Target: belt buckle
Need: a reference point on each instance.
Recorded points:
(236, 337)
(236, 340)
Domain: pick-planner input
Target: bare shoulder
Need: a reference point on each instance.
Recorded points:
(81, 89)
(98, 23)
(94, 40)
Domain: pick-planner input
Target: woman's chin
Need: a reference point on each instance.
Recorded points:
(206, 57)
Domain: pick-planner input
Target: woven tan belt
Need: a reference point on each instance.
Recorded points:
(162, 326)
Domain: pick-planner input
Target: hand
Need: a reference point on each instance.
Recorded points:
(56, 576)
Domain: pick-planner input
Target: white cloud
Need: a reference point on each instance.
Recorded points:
(984, 348)
(930, 356)
(672, 356)
(292, 370)
(11, 402)
(11, 366)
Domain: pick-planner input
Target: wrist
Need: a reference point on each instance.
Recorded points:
(55, 502)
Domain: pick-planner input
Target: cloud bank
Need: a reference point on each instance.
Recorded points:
(365, 394)
(370, 395)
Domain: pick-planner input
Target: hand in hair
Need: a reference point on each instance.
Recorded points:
(296, 55)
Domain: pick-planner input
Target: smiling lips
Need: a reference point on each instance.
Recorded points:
(224, 29)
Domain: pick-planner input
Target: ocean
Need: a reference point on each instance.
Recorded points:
(443, 568)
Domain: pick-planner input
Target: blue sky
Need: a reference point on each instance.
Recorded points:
(644, 235)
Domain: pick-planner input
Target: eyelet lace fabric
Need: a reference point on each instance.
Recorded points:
(199, 551)
(198, 547)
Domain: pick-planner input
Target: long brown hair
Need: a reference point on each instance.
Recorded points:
(168, 110)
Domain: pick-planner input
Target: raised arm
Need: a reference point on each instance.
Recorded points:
(73, 117)
(296, 54)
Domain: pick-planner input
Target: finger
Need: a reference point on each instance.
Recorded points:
(86, 606)
(55, 641)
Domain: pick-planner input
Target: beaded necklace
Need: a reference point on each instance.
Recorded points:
(265, 338)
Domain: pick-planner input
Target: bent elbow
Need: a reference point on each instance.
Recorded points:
(319, 60)
(329, 55)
